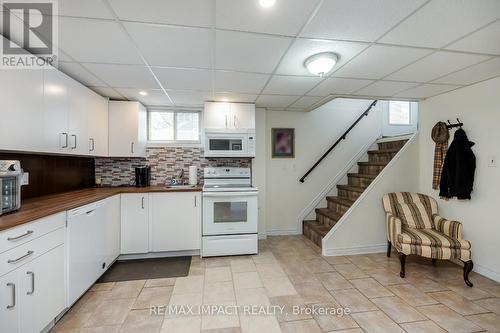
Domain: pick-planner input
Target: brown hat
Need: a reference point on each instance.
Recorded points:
(440, 133)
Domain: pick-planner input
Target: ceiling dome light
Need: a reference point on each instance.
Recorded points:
(143, 93)
(267, 3)
(321, 63)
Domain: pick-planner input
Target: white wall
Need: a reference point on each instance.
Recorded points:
(259, 166)
(315, 132)
(478, 107)
(362, 229)
(394, 130)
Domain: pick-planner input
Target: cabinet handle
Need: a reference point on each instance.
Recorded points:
(92, 144)
(90, 212)
(32, 283)
(65, 140)
(15, 261)
(195, 201)
(226, 120)
(13, 295)
(74, 136)
(132, 147)
(142, 203)
(13, 239)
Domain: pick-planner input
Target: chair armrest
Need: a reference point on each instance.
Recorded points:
(450, 228)
(393, 227)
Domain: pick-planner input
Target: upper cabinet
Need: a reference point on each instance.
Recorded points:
(55, 114)
(232, 116)
(127, 129)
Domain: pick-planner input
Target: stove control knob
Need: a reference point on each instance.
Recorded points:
(12, 167)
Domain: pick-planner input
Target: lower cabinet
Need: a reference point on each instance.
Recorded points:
(135, 223)
(175, 221)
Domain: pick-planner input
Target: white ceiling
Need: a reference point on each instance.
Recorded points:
(184, 52)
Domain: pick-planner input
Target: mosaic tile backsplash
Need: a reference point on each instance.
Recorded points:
(165, 162)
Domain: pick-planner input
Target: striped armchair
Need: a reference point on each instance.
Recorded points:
(415, 228)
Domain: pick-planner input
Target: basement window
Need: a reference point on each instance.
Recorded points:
(399, 113)
(173, 127)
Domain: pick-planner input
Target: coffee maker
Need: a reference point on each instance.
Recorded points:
(142, 176)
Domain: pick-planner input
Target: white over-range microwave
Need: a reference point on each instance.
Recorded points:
(232, 143)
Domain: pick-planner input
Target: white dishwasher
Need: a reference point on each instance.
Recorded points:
(90, 232)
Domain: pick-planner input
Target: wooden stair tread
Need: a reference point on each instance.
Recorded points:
(373, 163)
(328, 212)
(317, 227)
(352, 188)
(341, 200)
(362, 175)
(383, 151)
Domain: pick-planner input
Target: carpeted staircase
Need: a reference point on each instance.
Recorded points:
(326, 218)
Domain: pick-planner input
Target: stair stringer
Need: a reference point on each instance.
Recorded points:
(353, 234)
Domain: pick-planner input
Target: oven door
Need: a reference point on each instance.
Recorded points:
(229, 213)
(226, 145)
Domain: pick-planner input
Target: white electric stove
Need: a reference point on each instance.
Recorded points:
(230, 212)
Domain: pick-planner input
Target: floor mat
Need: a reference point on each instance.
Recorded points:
(143, 269)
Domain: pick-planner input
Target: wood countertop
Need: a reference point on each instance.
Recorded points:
(36, 208)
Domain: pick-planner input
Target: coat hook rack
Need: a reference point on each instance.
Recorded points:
(458, 124)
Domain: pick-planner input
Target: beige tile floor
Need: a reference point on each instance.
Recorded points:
(290, 271)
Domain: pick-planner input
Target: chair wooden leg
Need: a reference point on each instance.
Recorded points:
(468, 265)
(389, 246)
(402, 259)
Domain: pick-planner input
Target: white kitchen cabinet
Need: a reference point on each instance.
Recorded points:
(219, 115)
(110, 226)
(9, 302)
(175, 221)
(42, 290)
(21, 112)
(97, 124)
(127, 129)
(134, 223)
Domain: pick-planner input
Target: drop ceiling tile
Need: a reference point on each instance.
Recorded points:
(86, 8)
(232, 97)
(385, 88)
(483, 71)
(306, 102)
(154, 97)
(338, 86)
(290, 85)
(440, 22)
(378, 61)
(184, 79)
(275, 101)
(79, 73)
(245, 83)
(284, 18)
(172, 46)
(96, 41)
(485, 40)
(248, 52)
(426, 90)
(435, 65)
(124, 76)
(293, 62)
(361, 20)
(108, 92)
(185, 12)
(189, 98)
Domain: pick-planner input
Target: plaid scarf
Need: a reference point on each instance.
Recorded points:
(439, 155)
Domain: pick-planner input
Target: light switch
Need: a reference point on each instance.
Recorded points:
(492, 161)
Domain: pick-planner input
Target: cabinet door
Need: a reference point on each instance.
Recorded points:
(123, 128)
(217, 115)
(176, 221)
(111, 230)
(56, 111)
(98, 124)
(9, 303)
(134, 223)
(242, 115)
(78, 119)
(21, 96)
(42, 290)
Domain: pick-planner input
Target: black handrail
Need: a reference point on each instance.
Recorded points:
(343, 137)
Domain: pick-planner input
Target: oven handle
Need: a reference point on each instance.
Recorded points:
(232, 194)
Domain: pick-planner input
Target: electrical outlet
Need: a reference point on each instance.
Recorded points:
(26, 178)
(492, 161)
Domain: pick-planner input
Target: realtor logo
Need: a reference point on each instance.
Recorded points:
(29, 30)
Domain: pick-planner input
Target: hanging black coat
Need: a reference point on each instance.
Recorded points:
(457, 177)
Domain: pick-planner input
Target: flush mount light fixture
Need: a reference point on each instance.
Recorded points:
(143, 93)
(321, 63)
(267, 3)
(224, 100)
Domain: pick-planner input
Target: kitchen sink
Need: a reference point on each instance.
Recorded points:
(180, 186)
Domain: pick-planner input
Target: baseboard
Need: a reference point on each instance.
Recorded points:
(151, 255)
(283, 232)
(486, 272)
(262, 235)
(348, 251)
